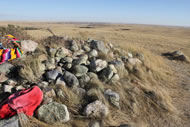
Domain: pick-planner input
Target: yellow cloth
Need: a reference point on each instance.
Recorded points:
(1, 52)
(13, 54)
(9, 36)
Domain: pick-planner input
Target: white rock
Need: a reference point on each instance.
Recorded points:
(28, 45)
(8, 88)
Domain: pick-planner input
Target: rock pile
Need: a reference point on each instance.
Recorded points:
(73, 67)
(176, 55)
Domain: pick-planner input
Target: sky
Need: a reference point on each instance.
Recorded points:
(159, 12)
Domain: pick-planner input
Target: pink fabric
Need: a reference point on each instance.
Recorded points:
(25, 101)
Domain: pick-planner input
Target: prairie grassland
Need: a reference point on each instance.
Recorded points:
(161, 92)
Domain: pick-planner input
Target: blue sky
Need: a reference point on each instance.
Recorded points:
(163, 12)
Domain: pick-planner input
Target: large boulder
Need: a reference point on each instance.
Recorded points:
(98, 45)
(70, 79)
(28, 45)
(96, 110)
(53, 112)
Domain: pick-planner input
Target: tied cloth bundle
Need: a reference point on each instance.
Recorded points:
(22, 103)
(7, 54)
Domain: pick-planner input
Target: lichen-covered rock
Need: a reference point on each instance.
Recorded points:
(62, 52)
(96, 110)
(53, 112)
(70, 79)
(98, 45)
(79, 70)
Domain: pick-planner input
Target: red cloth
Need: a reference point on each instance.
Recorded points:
(25, 101)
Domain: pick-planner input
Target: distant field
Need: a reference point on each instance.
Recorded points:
(157, 39)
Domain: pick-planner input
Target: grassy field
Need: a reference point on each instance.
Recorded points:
(171, 78)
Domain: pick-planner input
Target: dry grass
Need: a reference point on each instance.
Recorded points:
(146, 101)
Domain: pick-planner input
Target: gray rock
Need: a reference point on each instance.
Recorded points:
(86, 48)
(8, 88)
(11, 122)
(28, 45)
(98, 65)
(106, 74)
(176, 55)
(98, 45)
(67, 66)
(112, 97)
(52, 52)
(118, 64)
(68, 59)
(81, 60)
(53, 112)
(96, 110)
(62, 52)
(74, 46)
(70, 79)
(60, 81)
(6, 68)
(79, 70)
(53, 74)
(93, 53)
(83, 80)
